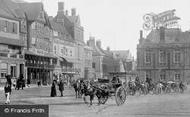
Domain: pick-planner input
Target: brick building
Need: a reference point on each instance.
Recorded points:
(164, 54)
(39, 53)
(63, 46)
(75, 30)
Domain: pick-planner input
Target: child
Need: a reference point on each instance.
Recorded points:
(7, 90)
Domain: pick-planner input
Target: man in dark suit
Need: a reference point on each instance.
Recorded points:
(61, 87)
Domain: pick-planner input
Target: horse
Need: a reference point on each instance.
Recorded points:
(87, 90)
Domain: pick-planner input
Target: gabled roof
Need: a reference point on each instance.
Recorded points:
(10, 9)
(74, 19)
(32, 9)
(55, 26)
(97, 52)
(122, 54)
(61, 28)
(106, 53)
(68, 25)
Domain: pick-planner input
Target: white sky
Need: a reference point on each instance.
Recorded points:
(117, 22)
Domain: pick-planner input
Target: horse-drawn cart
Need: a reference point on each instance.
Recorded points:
(106, 88)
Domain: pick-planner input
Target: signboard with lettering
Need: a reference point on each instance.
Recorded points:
(38, 51)
(165, 19)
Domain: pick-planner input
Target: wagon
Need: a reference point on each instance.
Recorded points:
(106, 88)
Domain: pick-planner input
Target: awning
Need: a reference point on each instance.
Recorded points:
(32, 53)
(66, 60)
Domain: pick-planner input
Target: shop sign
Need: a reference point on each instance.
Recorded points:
(38, 51)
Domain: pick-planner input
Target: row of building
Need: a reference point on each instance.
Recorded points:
(43, 47)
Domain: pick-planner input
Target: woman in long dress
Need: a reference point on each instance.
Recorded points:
(53, 89)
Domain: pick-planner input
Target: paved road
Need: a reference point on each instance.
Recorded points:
(165, 105)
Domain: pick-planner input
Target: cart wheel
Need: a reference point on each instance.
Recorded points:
(103, 99)
(120, 96)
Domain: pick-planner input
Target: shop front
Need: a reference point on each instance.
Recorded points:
(39, 68)
(11, 66)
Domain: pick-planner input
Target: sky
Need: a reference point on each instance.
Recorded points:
(117, 22)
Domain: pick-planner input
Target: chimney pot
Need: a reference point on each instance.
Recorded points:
(91, 42)
(162, 34)
(141, 34)
(60, 6)
(98, 43)
(108, 48)
(73, 12)
(66, 12)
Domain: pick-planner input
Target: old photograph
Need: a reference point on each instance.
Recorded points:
(94, 58)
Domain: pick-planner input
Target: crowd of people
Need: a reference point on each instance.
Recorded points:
(133, 86)
(19, 83)
(155, 86)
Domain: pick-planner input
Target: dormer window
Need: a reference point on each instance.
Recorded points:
(41, 16)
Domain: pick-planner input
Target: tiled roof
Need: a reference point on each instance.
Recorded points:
(67, 23)
(7, 8)
(173, 35)
(106, 53)
(56, 26)
(61, 28)
(10, 9)
(124, 54)
(67, 27)
(32, 9)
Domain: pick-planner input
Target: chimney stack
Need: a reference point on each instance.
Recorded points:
(98, 43)
(60, 6)
(73, 12)
(66, 12)
(162, 34)
(91, 42)
(108, 48)
(141, 34)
